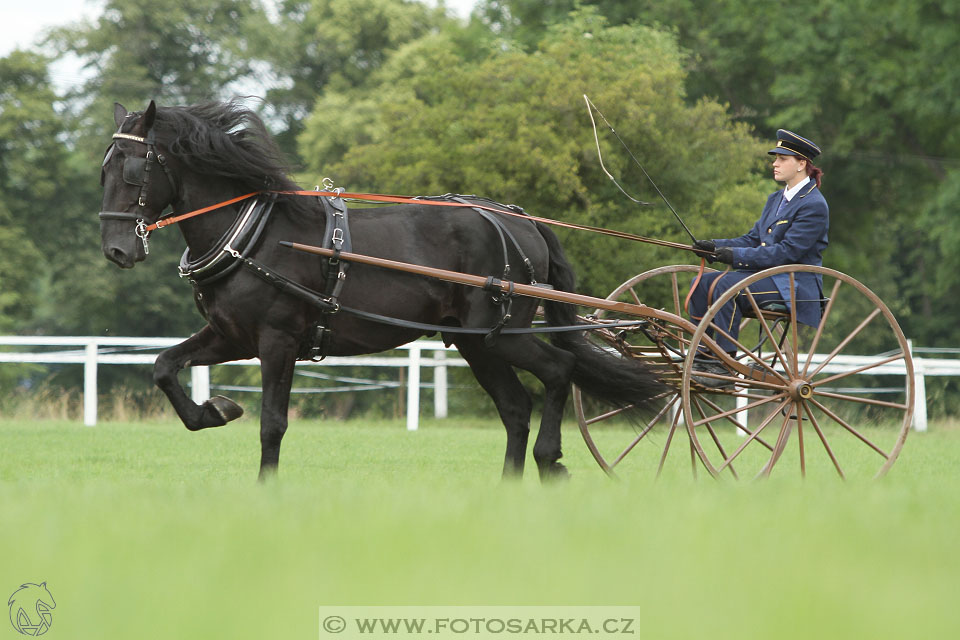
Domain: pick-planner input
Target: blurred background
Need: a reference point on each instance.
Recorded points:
(485, 97)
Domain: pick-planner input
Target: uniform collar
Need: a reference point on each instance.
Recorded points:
(789, 193)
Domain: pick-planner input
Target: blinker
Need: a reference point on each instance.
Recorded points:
(134, 171)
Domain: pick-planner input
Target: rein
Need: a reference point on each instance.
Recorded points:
(394, 199)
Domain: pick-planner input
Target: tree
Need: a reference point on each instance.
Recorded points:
(864, 78)
(514, 126)
(164, 49)
(31, 162)
(317, 42)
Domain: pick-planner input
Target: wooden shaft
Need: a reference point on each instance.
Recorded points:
(479, 281)
(504, 286)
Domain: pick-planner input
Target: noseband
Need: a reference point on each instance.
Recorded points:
(136, 172)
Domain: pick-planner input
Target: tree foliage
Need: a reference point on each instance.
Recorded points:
(429, 122)
(318, 42)
(392, 95)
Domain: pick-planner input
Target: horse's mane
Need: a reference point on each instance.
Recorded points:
(224, 139)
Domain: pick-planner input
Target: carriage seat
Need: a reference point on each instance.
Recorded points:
(769, 309)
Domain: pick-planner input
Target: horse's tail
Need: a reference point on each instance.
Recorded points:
(599, 373)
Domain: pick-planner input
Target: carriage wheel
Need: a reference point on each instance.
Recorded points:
(839, 396)
(613, 444)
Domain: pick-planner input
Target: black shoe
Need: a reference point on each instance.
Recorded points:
(714, 367)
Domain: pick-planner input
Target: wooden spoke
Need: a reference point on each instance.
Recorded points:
(843, 423)
(666, 447)
(803, 463)
(744, 350)
(782, 438)
(693, 458)
(736, 410)
(736, 423)
(793, 321)
(766, 329)
(716, 440)
(823, 439)
(844, 374)
(608, 414)
(675, 290)
(870, 401)
(643, 433)
(753, 434)
(845, 342)
(823, 323)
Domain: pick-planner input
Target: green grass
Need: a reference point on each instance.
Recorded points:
(148, 531)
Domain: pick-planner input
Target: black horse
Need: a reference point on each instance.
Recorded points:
(196, 156)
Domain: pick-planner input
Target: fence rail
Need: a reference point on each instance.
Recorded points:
(91, 352)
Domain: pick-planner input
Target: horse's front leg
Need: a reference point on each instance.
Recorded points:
(278, 357)
(203, 348)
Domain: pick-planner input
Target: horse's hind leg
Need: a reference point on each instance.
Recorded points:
(203, 348)
(508, 394)
(554, 368)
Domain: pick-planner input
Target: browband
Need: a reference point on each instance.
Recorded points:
(128, 136)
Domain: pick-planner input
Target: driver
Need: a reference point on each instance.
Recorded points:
(791, 230)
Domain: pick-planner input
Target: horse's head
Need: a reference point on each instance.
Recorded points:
(137, 186)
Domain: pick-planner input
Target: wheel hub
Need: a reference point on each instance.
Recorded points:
(800, 390)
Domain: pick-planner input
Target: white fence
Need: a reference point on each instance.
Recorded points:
(92, 352)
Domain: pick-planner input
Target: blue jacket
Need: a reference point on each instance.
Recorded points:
(795, 235)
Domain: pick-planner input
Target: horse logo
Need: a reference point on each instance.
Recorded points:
(30, 609)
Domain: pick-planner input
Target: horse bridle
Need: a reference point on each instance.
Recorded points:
(136, 172)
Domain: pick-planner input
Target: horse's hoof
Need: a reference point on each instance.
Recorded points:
(554, 472)
(226, 408)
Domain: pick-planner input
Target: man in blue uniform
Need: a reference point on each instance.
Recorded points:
(791, 230)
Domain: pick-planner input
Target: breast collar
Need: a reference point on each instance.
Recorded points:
(235, 244)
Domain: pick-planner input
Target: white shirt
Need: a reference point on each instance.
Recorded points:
(789, 193)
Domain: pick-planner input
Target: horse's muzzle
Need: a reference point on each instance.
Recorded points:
(120, 244)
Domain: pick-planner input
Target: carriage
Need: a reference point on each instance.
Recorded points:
(274, 288)
(779, 378)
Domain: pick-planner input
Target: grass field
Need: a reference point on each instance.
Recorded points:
(147, 531)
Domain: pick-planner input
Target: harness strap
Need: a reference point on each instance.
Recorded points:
(238, 241)
(324, 303)
(336, 236)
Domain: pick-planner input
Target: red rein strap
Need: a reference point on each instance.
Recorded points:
(376, 197)
(165, 222)
(696, 282)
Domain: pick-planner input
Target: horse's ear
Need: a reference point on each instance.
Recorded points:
(149, 115)
(119, 113)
